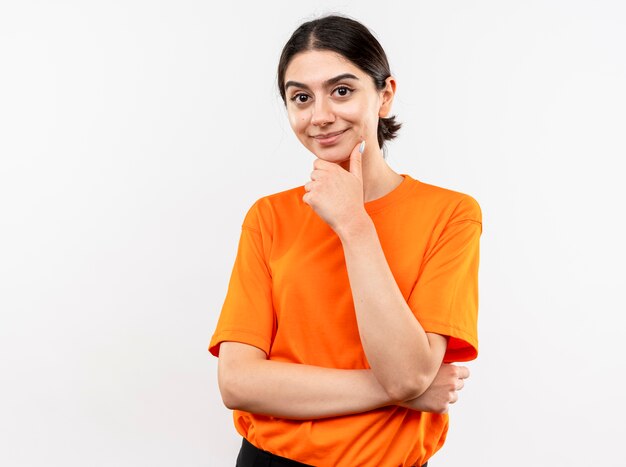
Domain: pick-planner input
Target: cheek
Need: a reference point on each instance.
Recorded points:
(353, 111)
(359, 113)
(298, 121)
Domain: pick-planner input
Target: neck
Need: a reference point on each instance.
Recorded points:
(378, 178)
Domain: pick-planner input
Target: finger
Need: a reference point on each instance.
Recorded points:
(318, 174)
(459, 384)
(356, 157)
(307, 186)
(320, 164)
(463, 372)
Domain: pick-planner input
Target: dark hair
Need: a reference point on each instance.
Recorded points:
(350, 39)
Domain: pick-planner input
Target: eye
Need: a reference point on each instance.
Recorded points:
(300, 98)
(343, 91)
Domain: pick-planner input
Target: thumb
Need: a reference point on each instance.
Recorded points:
(356, 157)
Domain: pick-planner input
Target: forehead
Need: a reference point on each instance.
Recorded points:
(315, 66)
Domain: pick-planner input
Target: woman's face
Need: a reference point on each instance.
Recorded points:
(332, 104)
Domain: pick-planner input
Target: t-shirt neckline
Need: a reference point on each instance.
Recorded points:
(394, 195)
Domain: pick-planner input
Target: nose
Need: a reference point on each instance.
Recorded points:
(322, 113)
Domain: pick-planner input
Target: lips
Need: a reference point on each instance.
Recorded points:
(328, 135)
(329, 138)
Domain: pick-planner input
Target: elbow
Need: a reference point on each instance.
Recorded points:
(405, 389)
(235, 370)
(232, 396)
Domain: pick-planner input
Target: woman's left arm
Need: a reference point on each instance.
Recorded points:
(404, 358)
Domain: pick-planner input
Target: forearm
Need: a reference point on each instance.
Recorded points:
(397, 347)
(296, 391)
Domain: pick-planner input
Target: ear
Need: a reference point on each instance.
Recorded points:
(386, 97)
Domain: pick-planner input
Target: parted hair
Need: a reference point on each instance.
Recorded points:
(353, 41)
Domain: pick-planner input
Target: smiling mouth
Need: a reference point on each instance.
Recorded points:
(329, 138)
(328, 135)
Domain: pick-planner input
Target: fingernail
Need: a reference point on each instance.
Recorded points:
(362, 147)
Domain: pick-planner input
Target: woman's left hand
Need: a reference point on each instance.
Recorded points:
(336, 194)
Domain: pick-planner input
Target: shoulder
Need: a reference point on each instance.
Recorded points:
(267, 209)
(447, 204)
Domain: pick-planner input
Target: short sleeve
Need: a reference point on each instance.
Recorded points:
(247, 314)
(445, 296)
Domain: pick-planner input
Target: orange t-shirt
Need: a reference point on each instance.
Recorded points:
(289, 295)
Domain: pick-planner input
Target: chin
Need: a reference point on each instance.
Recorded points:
(332, 154)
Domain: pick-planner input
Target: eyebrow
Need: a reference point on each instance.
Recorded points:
(327, 83)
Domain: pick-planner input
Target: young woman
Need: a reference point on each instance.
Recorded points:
(349, 293)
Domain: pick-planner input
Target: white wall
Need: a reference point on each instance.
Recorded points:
(135, 134)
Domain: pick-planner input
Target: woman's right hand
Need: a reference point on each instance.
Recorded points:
(442, 392)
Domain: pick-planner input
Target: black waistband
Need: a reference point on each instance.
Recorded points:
(251, 456)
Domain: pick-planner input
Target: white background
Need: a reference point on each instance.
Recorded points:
(134, 136)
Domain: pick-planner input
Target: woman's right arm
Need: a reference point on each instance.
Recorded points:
(249, 381)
